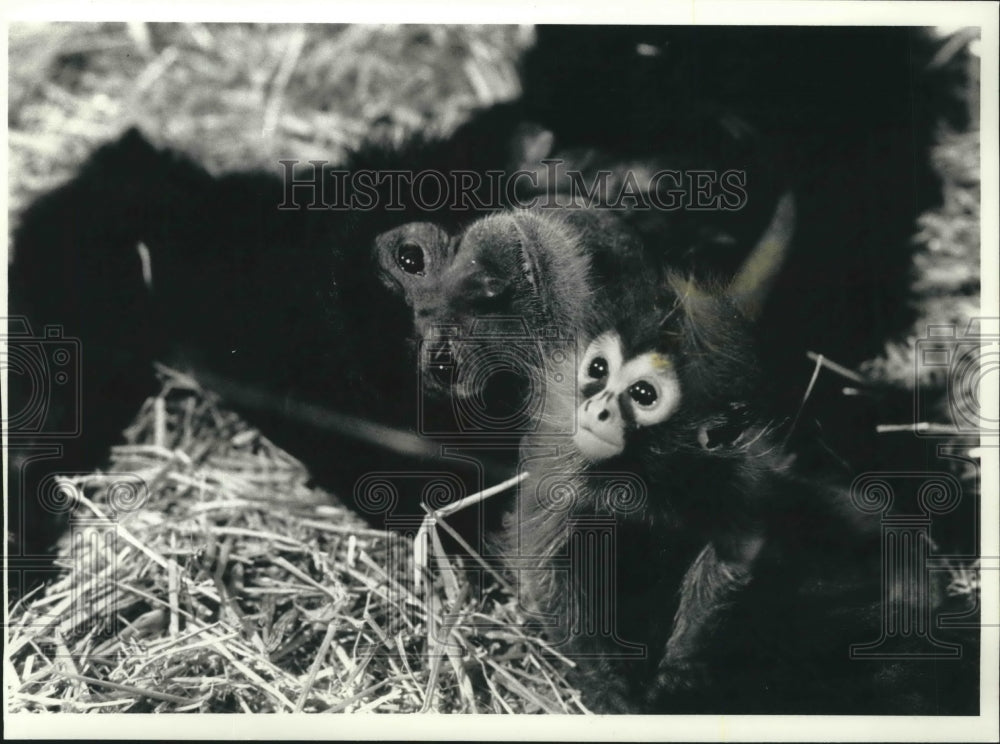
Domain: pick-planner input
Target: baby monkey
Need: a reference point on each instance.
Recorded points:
(670, 398)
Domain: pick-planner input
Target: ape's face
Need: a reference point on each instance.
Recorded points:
(475, 299)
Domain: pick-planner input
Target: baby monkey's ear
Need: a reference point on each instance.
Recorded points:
(726, 430)
(713, 438)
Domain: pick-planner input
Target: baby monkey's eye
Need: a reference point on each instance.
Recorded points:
(642, 393)
(410, 258)
(598, 368)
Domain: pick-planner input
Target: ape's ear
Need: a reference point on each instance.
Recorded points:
(753, 281)
(724, 434)
(726, 430)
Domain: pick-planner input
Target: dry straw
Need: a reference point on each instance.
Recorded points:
(201, 573)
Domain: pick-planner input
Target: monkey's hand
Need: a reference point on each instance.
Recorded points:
(676, 677)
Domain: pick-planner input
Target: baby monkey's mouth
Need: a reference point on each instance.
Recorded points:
(595, 447)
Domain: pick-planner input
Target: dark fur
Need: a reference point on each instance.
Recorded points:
(544, 270)
(848, 132)
(740, 577)
(281, 301)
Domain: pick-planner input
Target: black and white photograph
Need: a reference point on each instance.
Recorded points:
(639, 370)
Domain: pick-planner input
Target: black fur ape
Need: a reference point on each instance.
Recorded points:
(145, 256)
(545, 270)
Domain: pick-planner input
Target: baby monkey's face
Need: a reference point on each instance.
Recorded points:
(621, 392)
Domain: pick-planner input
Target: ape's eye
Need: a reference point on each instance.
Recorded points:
(642, 393)
(598, 368)
(410, 258)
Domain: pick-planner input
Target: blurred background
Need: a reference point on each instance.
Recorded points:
(242, 96)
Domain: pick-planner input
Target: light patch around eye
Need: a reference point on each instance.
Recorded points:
(658, 371)
(608, 346)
